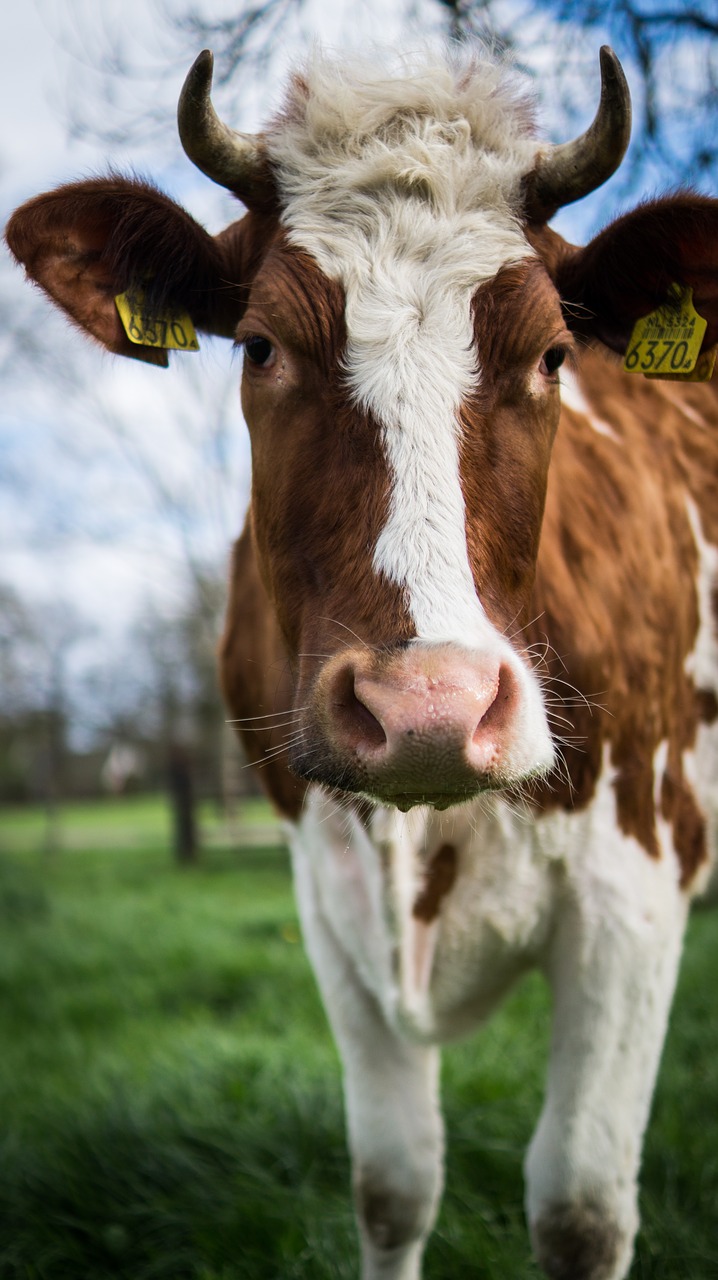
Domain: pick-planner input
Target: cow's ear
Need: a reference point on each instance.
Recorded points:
(89, 241)
(628, 269)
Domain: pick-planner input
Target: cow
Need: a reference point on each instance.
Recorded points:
(471, 631)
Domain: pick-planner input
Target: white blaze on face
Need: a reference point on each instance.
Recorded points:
(411, 362)
(404, 191)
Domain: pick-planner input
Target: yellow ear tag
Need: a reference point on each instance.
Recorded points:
(667, 343)
(171, 332)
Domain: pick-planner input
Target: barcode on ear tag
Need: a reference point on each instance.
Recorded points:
(173, 332)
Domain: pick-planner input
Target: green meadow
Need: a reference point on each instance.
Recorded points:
(170, 1102)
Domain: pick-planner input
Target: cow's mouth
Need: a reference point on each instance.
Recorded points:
(342, 778)
(433, 800)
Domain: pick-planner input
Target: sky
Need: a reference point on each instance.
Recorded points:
(78, 523)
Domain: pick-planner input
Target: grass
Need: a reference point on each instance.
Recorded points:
(170, 1096)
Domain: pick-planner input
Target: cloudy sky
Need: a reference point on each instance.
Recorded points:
(79, 459)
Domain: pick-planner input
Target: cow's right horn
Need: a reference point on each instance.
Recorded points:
(234, 160)
(572, 170)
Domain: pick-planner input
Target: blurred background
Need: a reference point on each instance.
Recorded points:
(165, 1059)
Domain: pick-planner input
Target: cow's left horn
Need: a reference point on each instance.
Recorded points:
(572, 170)
(234, 160)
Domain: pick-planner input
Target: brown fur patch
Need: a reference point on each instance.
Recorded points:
(615, 596)
(508, 431)
(439, 879)
(679, 807)
(706, 706)
(257, 680)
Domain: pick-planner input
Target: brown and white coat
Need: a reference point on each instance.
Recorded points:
(470, 635)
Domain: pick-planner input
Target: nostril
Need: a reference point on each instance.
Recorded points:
(370, 730)
(356, 723)
(499, 707)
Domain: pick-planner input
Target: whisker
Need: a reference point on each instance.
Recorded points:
(336, 623)
(505, 631)
(289, 741)
(287, 711)
(525, 625)
(554, 718)
(587, 701)
(268, 728)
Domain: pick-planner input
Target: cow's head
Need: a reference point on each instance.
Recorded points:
(404, 311)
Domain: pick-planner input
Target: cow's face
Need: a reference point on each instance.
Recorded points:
(399, 475)
(402, 341)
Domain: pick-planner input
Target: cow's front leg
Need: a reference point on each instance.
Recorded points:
(396, 1144)
(612, 967)
(391, 1094)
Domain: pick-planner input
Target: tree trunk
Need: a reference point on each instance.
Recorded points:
(182, 804)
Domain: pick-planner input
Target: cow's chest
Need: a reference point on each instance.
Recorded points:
(437, 914)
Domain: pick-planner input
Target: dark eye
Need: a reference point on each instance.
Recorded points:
(552, 360)
(259, 351)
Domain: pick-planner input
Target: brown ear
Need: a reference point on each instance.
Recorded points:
(88, 241)
(627, 270)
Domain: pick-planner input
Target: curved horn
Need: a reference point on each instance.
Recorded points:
(567, 172)
(234, 160)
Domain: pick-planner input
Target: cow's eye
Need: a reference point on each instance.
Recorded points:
(259, 351)
(552, 361)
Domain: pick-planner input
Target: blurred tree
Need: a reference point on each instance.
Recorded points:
(169, 485)
(195, 496)
(155, 701)
(669, 50)
(37, 692)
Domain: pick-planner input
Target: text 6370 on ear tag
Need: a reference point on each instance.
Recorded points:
(174, 332)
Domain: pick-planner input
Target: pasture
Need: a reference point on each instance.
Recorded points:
(170, 1099)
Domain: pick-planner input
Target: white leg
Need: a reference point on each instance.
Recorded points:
(396, 1143)
(391, 1094)
(612, 966)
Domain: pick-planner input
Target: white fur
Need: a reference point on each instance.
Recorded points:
(391, 1085)
(572, 398)
(570, 894)
(612, 963)
(701, 764)
(406, 191)
(702, 663)
(670, 392)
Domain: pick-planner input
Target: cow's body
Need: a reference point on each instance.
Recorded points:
(476, 663)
